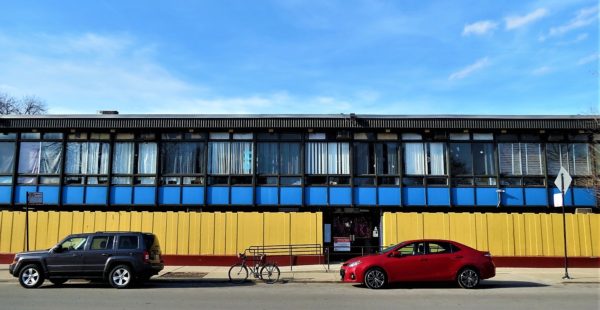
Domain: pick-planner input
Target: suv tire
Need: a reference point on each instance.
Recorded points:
(31, 276)
(121, 276)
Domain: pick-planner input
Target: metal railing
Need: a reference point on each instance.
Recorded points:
(290, 250)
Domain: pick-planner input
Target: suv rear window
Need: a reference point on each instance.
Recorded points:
(149, 241)
(128, 242)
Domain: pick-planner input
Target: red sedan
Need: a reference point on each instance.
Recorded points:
(421, 260)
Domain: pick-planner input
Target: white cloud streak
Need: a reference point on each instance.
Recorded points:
(543, 70)
(479, 28)
(588, 59)
(470, 69)
(583, 17)
(514, 22)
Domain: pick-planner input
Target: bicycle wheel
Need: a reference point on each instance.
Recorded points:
(269, 273)
(238, 273)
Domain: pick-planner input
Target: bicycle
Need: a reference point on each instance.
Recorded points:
(266, 271)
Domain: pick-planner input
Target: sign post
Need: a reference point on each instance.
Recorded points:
(33, 199)
(562, 182)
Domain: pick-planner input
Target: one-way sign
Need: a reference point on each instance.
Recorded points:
(563, 180)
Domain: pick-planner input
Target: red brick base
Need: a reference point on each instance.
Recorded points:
(500, 261)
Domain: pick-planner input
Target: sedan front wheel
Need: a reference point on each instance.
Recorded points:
(375, 278)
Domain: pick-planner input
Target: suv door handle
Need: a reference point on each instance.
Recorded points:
(105, 254)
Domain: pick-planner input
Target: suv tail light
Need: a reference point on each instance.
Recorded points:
(146, 257)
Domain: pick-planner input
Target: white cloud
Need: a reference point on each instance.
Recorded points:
(470, 69)
(588, 59)
(513, 22)
(543, 70)
(582, 18)
(479, 28)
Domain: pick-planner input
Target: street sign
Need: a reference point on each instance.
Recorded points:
(35, 198)
(563, 180)
(558, 201)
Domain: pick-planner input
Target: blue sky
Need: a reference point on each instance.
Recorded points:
(292, 56)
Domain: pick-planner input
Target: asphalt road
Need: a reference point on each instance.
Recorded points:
(182, 295)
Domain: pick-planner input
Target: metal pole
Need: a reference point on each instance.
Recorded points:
(562, 193)
(27, 224)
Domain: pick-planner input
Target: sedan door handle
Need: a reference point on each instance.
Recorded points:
(423, 259)
(459, 256)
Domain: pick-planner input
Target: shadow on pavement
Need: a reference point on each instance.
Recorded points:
(486, 284)
(153, 284)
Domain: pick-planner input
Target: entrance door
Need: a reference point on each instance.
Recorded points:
(353, 234)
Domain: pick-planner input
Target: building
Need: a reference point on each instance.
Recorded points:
(212, 185)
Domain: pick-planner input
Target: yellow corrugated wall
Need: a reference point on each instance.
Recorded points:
(180, 233)
(503, 234)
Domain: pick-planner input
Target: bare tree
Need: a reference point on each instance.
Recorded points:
(25, 106)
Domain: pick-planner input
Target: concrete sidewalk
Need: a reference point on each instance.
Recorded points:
(321, 274)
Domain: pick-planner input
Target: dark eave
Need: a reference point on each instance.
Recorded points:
(280, 121)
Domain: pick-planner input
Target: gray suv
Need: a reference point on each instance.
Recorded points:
(121, 258)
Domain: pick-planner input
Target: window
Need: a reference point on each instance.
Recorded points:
(327, 158)
(39, 158)
(122, 162)
(124, 165)
(472, 160)
(230, 157)
(278, 158)
(182, 158)
(102, 243)
(439, 248)
(73, 244)
(7, 161)
(406, 250)
(424, 158)
(521, 159)
(380, 158)
(87, 158)
(128, 242)
(574, 157)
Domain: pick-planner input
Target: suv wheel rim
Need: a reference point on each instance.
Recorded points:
(375, 278)
(468, 278)
(30, 276)
(121, 276)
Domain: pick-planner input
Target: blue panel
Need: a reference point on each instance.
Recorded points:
(291, 196)
(584, 197)
(144, 195)
(536, 197)
(266, 195)
(72, 195)
(242, 195)
(438, 196)
(513, 196)
(365, 196)
(340, 195)
(316, 195)
(463, 196)
(169, 195)
(96, 195)
(21, 193)
(5, 194)
(389, 196)
(568, 196)
(413, 196)
(193, 195)
(218, 195)
(120, 195)
(486, 196)
(50, 194)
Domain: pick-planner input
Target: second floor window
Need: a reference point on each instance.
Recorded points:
(424, 158)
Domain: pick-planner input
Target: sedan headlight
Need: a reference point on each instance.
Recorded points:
(354, 264)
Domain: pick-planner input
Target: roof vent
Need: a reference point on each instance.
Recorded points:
(108, 112)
